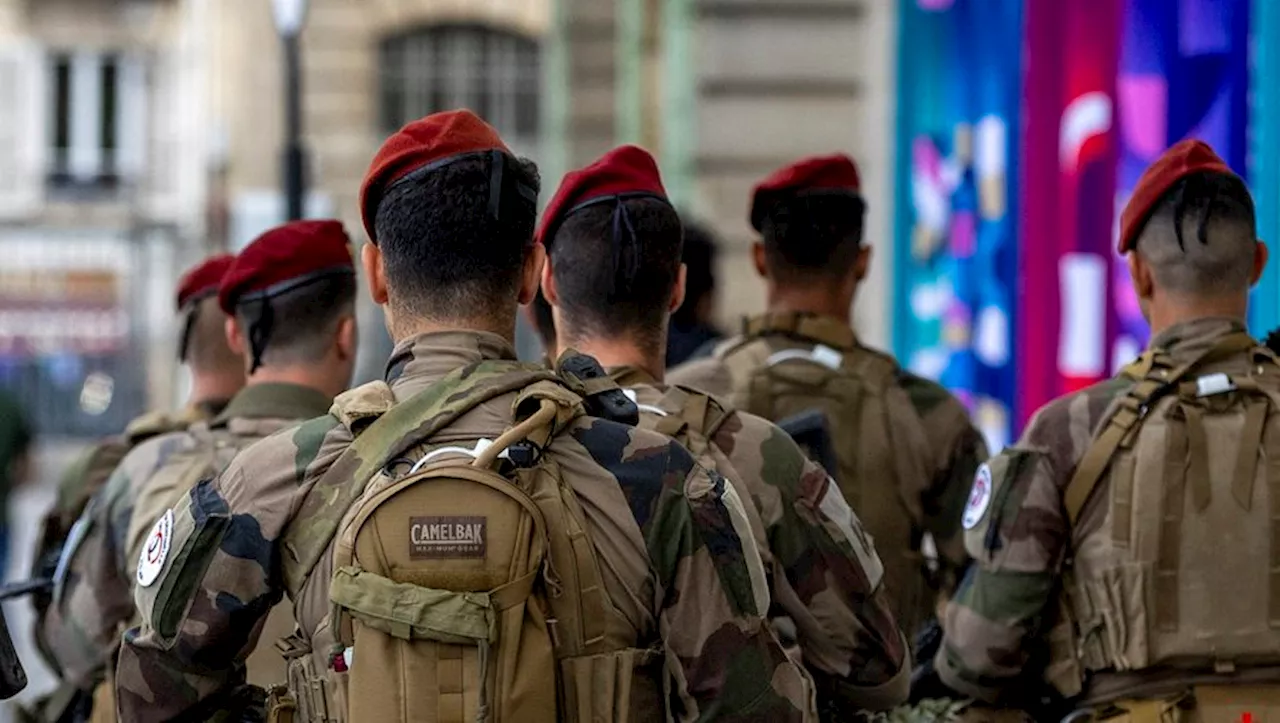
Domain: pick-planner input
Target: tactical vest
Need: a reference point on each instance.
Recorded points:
(880, 442)
(1175, 510)
(465, 588)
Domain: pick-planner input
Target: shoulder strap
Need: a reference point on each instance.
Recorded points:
(1155, 377)
(150, 425)
(392, 434)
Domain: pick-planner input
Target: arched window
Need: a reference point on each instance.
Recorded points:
(492, 72)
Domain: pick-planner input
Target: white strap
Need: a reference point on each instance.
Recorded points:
(481, 446)
(820, 354)
(631, 394)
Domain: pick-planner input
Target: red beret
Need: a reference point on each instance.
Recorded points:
(426, 145)
(624, 172)
(285, 258)
(203, 279)
(834, 174)
(1187, 158)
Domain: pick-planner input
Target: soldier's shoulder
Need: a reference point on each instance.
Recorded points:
(927, 396)
(152, 424)
(712, 374)
(645, 464)
(1076, 413)
(156, 451)
(301, 452)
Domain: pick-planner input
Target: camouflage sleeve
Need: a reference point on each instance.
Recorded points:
(723, 659)
(204, 603)
(828, 573)
(92, 601)
(957, 449)
(1017, 533)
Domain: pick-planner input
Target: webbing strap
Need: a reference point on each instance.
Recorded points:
(1197, 456)
(1155, 381)
(1255, 417)
(1122, 502)
(1171, 505)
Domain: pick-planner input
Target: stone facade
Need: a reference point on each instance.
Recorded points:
(722, 90)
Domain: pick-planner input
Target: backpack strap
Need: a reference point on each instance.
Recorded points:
(390, 435)
(1155, 376)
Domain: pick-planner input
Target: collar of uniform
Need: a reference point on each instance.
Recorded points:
(423, 359)
(275, 400)
(809, 327)
(1193, 336)
(206, 409)
(632, 377)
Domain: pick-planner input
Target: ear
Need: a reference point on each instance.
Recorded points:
(677, 293)
(235, 339)
(549, 290)
(1140, 273)
(1260, 255)
(531, 275)
(375, 272)
(757, 258)
(348, 337)
(862, 264)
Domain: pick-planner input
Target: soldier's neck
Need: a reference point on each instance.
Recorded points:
(1170, 312)
(818, 300)
(404, 329)
(619, 352)
(314, 376)
(209, 388)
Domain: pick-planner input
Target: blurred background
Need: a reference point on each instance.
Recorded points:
(997, 141)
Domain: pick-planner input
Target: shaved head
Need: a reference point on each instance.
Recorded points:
(1199, 240)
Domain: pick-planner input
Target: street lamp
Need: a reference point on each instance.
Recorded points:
(290, 17)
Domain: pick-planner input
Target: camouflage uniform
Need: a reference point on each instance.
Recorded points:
(726, 665)
(824, 571)
(997, 625)
(951, 448)
(94, 602)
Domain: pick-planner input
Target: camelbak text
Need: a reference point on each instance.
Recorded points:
(446, 537)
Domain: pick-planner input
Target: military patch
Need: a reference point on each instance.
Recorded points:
(979, 498)
(436, 538)
(151, 562)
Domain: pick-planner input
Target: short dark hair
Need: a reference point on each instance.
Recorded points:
(298, 325)
(442, 248)
(813, 234)
(1200, 236)
(699, 257)
(607, 285)
(204, 346)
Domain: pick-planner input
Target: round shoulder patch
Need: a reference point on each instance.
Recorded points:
(156, 549)
(979, 498)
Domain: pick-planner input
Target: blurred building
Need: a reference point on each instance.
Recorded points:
(136, 135)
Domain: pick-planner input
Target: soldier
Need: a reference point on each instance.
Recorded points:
(289, 299)
(905, 451)
(613, 277)
(1125, 549)
(614, 579)
(217, 373)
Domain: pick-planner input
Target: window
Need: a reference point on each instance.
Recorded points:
(493, 73)
(91, 93)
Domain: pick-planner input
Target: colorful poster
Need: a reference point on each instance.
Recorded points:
(958, 107)
(1183, 74)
